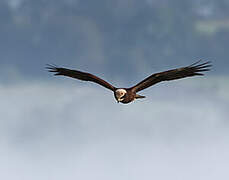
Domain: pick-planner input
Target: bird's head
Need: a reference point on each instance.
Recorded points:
(119, 94)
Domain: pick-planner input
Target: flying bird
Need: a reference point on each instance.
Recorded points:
(127, 95)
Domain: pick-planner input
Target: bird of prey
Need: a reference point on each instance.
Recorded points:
(127, 95)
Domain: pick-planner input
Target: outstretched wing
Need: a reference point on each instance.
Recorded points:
(192, 70)
(79, 75)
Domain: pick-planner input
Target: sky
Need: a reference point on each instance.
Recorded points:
(60, 128)
(51, 131)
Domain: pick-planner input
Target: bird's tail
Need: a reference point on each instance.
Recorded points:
(139, 96)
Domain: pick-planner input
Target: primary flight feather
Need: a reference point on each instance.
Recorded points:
(127, 95)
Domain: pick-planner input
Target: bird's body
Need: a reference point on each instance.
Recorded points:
(127, 95)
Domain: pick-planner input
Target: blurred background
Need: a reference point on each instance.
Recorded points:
(59, 128)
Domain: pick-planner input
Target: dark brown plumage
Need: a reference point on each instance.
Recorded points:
(126, 95)
(79, 75)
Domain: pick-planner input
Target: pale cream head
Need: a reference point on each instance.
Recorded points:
(119, 93)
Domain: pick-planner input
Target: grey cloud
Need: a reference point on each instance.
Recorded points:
(59, 131)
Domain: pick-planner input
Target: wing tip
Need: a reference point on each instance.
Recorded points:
(198, 63)
(201, 67)
(52, 68)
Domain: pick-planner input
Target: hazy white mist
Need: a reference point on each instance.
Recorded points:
(77, 131)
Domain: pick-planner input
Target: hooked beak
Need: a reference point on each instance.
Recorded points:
(120, 99)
